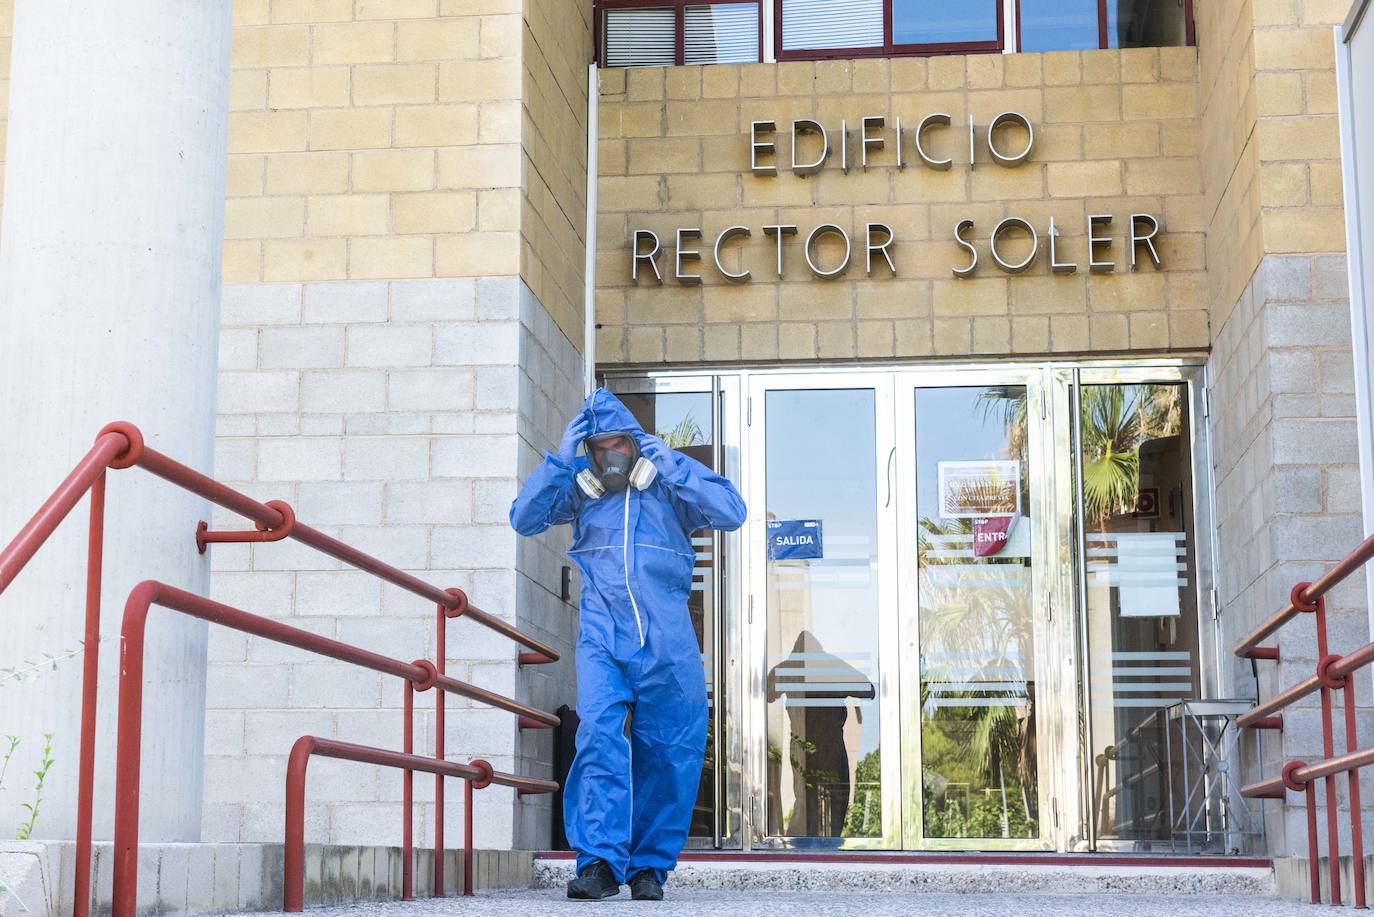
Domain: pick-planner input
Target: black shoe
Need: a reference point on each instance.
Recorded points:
(644, 886)
(594, 883)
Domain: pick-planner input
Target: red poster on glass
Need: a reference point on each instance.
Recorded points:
(991, 534)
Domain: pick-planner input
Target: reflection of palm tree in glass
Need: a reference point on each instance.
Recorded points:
(687, 433)
(1115, 420)
(818, 754)
(975, 633)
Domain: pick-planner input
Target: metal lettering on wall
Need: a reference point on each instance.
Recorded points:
(812, 147)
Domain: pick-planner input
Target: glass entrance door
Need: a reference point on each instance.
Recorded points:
(966, 612)
(825, 720)
(690, 414)
(974, 608)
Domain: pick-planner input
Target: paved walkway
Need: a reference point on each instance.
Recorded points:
(710, 902)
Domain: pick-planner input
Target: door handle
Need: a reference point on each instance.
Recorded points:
(890, 456)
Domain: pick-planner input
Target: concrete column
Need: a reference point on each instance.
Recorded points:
(109, 309)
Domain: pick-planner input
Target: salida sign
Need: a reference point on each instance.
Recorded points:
(812, 149)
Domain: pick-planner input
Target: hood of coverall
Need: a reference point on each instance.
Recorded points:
(613, 470)
(608, 415)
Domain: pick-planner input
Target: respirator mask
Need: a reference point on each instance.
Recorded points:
(615, 464)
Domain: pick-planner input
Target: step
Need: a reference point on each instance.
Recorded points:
(38, 876)
(953, 873)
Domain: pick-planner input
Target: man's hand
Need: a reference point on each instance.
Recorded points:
(572, 436)
(656, 451)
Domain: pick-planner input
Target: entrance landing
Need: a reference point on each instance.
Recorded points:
(953, 873)
(688, 902)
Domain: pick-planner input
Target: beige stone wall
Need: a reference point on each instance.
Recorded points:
(1297, 132)
(1227, 95)
(376, 139)
(557, 49)
(1270, 136)
(1117, 132)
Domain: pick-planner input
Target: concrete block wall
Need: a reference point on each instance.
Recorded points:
(1283, 419)
(1116, 132)
(388, 414)
(389, 365)
(1287, 496)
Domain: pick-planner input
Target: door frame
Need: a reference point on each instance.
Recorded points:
(1214, 661)
(756, 573)
(1051, 638)
(1066, 825)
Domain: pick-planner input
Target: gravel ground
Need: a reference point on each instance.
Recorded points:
(698, 903)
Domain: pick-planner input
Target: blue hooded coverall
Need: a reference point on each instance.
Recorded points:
(628, 800)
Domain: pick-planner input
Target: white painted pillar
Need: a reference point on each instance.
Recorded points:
(109, 309)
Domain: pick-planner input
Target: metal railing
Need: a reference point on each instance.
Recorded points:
(121, 445)
(1333, 673)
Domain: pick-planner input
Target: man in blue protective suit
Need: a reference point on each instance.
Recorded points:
(633, 503)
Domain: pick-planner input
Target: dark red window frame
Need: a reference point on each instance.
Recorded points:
(680, 9)
(1103, 39)
(888, 48)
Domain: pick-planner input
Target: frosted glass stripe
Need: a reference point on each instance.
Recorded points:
(826, 688)
(1137, 687)
(1018, 687)
(1130, 656)
(976, 702)
(846, 657)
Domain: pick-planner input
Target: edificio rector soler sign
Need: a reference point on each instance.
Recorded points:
(647, 251)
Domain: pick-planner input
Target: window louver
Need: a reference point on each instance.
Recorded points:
(808, 24)
(640, 38)
(721, 33)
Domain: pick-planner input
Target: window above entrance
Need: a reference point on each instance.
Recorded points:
(660, 33)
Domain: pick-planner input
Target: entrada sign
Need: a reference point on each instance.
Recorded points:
(812, 147)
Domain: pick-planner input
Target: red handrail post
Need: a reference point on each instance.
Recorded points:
(441, 615)
(1356, 818)
(128, 749)
(480, 783)
(467, 838)
(1313, 861)
(1333, 837)
(293, 882)
(90, 674)
(407, 798)
(440, 654)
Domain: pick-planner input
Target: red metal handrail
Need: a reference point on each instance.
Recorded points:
(1333, 673)
(120, 445)
(1306, 596)
(478, 774)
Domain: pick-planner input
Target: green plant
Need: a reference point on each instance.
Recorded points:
(5, 762)
(29, 667)
(41, 775)
(687, 433)
(865, 815)
(1116, 421)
